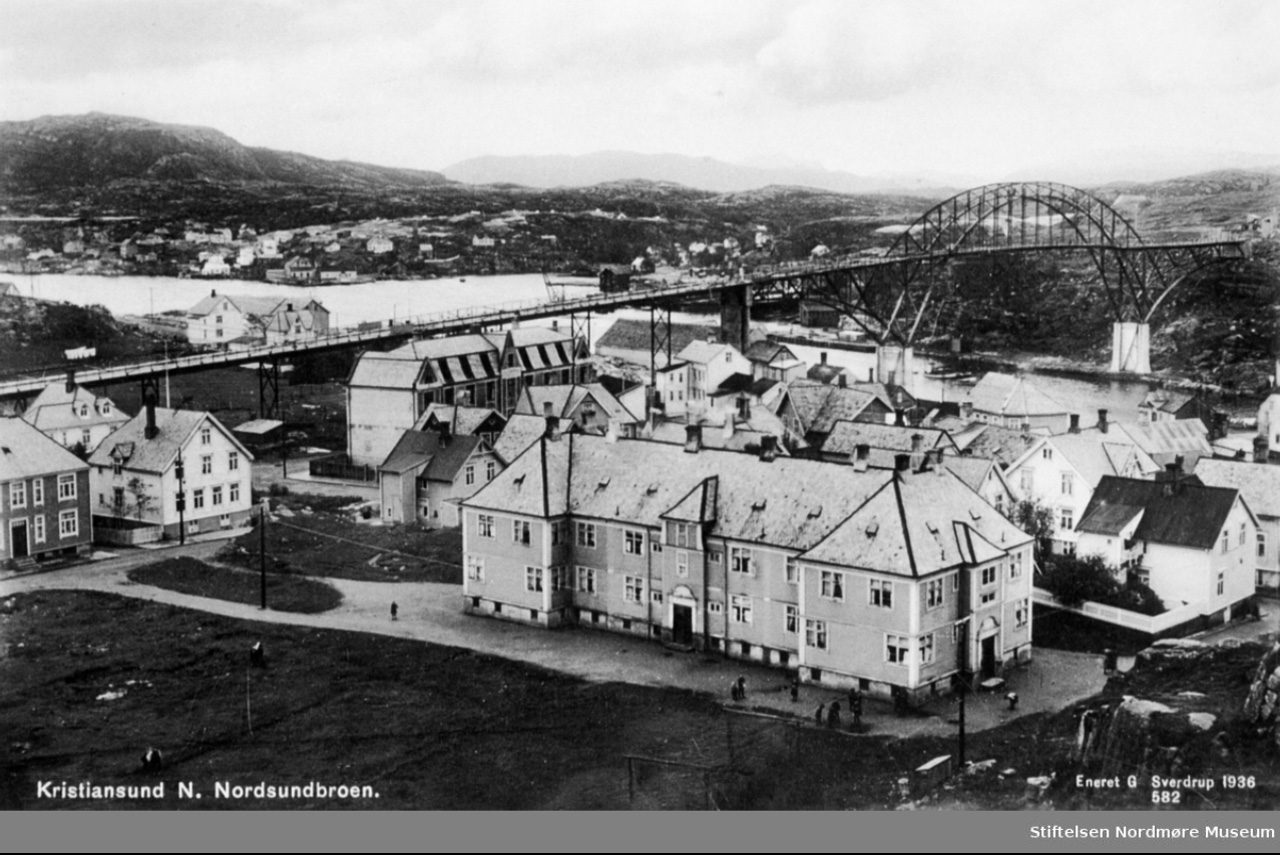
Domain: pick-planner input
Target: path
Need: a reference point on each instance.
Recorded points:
(432, 612)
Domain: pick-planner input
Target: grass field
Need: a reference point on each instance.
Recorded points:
(90, 681)
(285, 593)
(325, 543)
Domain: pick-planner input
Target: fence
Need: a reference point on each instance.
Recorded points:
(337, 466)
(1152, 625)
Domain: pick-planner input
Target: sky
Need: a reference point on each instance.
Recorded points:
(977, 89)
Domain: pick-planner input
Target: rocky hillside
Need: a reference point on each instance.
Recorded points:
(54, 153)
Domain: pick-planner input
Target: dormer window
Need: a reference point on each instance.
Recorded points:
(105, 407)
(82, 410)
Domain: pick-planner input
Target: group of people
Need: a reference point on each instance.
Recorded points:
(830, 714)
(738, 689)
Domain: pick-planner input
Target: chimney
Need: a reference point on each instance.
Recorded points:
(822, 357)
(1260, 451)
(1102, 420)
(939, 455)
(916, 441)
(547, 409)
(861, 457)
(901, 462)
(842, 380)
(692, 438)
(151, 431)
(71, 380)
(966, 409)
(553, 429)
(213, 292)
(768, 448)
(555, 325)
(445, 434)
(1178, 461)
(744, 409)
(288, 307)
(1075, 423)
(898, 418)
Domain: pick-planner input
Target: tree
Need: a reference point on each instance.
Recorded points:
(1036, 520)
(141, 499)
(1073, 580)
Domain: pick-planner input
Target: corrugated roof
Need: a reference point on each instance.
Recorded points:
(1182, 514)
(1259, 483)
(25, 452)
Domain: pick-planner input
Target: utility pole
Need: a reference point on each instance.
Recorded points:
(963, 656)
(180, 471)
(262, 550)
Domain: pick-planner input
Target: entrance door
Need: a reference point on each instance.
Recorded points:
(682, 624)
(18, 534)
(989, 657)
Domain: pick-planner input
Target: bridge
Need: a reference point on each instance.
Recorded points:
(893, 296)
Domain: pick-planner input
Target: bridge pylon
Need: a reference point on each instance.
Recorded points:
(1130, 348)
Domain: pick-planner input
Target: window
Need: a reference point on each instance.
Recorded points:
(490, 469)
(69, 523)
(206, 464)
(1046, 453)
(634, 543)
(793, 618)
(561, 579)
(234, 493)
(206, 436)
(586, 580)
(1242, 534)
(633, 589)
(469, 474)
(682, 563)
(484, 525)
(559, 532)
(475, 568)
(1221, 583)
(1262, 545)
(926, 649)
(815, 633)
(715, 608)
(233, 461)
(520, 532)
(1066, 519)
(895, 649)
(933, 594)
(1226, 538)
(18, 494)
(1015, 565)
(197, 498)
(740, 607)
(1067, 484)
(38, 522)
(716, 556)
(217, 495)
(740, 560)
(86, 437)
(1027, 479)
(1021, 613)
(833, 586)
(988, 597)
(682, 534)
(988, 575)
(881, 594)
(586, 534)
(793, 572)
(533, 578)
(955, 582)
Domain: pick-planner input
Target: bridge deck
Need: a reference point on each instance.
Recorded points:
(461, 320)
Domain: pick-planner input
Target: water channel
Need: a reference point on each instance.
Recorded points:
(391, 299)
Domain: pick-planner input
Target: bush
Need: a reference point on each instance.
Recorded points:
(1073, 580)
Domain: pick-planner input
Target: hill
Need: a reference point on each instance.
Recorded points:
(59, 153)
(704, 173)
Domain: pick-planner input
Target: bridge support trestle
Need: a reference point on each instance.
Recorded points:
(268, 390)
(1130, 348)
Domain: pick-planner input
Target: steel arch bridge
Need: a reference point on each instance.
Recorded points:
(890, 296)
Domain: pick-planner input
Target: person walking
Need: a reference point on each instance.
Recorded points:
(820, 714)
(394, 610)
(833, 715)
(733, 691)
(795, 689)
(742, 688)
(855, 708)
